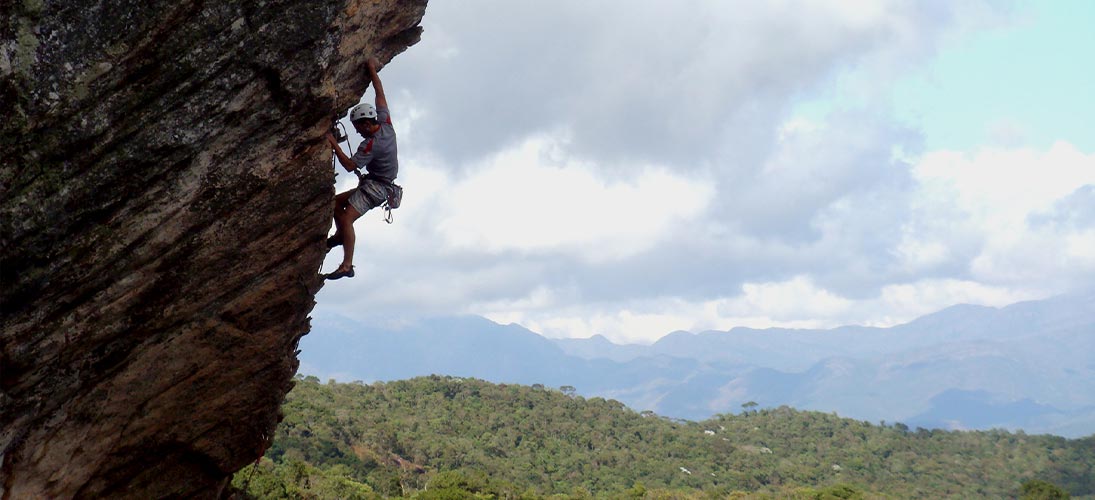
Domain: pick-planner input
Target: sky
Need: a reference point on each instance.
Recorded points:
(633, 168)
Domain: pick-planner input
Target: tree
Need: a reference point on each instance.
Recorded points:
(1036, 489)
(638, 490)
(839, 491)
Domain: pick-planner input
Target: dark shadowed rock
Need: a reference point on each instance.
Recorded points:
(164, 196)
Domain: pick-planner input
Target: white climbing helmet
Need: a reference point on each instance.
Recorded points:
(363, 111)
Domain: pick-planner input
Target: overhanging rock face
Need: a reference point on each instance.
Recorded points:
(165, 191)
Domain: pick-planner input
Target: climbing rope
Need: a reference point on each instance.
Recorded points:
(247, 482)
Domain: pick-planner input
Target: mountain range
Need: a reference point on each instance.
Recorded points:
(1029, 366)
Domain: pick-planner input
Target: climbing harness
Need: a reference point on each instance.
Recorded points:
(393, 191)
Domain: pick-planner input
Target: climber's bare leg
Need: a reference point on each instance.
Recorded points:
(344, 225)
(342, 200)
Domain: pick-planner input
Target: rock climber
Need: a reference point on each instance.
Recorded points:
(377, 156)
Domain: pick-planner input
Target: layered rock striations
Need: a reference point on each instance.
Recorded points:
(164, 196)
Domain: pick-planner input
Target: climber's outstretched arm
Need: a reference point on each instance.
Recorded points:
(381, 101)
(344, 160)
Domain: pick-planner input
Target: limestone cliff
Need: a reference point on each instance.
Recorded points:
(164, 196)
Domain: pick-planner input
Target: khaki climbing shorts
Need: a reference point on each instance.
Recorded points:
(369, 195)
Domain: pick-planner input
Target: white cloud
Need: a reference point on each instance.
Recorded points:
(796, 299)
(900, 303)
(1002, 187)
(620, 326)
(538, 298)
(795, 303)
(534, 199)
(990, 197)
(917, 255)
(1080, 248)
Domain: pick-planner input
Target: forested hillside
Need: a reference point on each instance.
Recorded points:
(436, 437)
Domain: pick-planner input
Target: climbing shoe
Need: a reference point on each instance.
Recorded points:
(339, 274)
(334, 241)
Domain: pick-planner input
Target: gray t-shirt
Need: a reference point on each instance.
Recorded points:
(377, 154)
